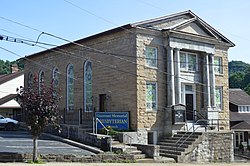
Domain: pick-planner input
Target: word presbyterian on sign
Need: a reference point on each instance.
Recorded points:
(116, 120)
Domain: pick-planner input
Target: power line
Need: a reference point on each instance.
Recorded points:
(20, 24)
(100, 63)
(43, 66)
(87, 47)
(99, 51)
(93, 14)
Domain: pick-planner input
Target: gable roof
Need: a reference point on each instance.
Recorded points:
(241, 126)
(8, 77)
(239, 97)
(237, 117)
(174, 22)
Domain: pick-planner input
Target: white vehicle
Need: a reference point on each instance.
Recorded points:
(8, 123)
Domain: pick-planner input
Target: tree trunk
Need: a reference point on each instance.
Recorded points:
(35, 159)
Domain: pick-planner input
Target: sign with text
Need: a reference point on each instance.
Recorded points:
(116, 120)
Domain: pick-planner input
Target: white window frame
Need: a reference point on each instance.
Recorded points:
(156, 96)
(220, 88)
(155, 59)
(218, 69)
(186, 63)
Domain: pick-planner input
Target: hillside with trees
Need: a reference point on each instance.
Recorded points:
(239, 75)
(5, 66)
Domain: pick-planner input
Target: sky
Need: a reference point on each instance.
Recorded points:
(76, 19)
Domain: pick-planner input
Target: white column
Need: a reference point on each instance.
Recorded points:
(213, 81)
(208, 81)
(172, 74)
(178, 75)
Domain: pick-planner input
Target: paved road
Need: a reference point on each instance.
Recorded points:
(21, 142)
(123, 164)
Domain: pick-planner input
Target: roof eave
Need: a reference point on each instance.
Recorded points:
(118, 29)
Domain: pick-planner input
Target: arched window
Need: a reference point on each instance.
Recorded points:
(30, 80)
(55, 77)
(41, 81)
(70, 87)
(88, 103)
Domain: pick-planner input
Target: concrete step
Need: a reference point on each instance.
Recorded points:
(145, 160)
(188, 133)
(174, 152)
(162, 159)
(172, 145)
(133, 151)
(169, 156)
(175, 141)
(181, 149)
(139, 156)
(116, 143)
(185, 136)
(180, 139)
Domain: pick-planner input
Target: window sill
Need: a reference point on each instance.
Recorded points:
(188, 71)
(151, 67)
(219, 74)
(151, 111)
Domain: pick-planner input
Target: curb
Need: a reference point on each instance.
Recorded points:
(74, 143)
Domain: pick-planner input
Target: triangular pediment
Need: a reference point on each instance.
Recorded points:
(186, 22)
(195, 28)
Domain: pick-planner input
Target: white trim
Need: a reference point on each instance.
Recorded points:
(220, 66)
(193, 92)
(156, 57)
(187, 62)
(220, 88)
(239, 141)
(191, 45)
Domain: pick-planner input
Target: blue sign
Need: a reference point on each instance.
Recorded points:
(115, 120)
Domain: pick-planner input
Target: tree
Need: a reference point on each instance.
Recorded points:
(40, 107)
(5, 66)
(247, 89)
(236, 80)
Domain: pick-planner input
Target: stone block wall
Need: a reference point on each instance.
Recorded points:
(114, 72)
(213, 147)
(222, 80)
(151, 120)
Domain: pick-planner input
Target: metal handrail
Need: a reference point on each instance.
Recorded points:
(98, 120)
(102, 126)
(130, 139)
(188, 136)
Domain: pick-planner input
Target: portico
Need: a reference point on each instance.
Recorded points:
(191, 65)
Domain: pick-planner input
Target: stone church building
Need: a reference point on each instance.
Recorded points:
(146, 69)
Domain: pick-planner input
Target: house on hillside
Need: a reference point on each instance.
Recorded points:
(166, 73)
(9, 107)
(239, 104)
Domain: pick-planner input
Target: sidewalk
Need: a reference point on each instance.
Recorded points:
(125, 164)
